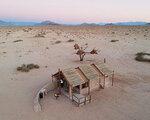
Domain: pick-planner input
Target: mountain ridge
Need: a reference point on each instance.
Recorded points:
(47, 23)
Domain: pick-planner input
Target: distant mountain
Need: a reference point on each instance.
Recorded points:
(45, 23)
(109, 24)
(131, 23)
(24, 23)
(3, 23)
(127, 24)
(148, 24)
(116, 24)
(89, 24)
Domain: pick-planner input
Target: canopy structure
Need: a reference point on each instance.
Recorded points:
(101, 67)
(88, 77)
(72, 76)
(89, 72)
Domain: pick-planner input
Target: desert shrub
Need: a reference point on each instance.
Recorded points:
(25, 30)
(17, 40)
(2, 42)
(70, 40)
(57, 42)
(140, 57)
(7, 34)
(30, 66)
(126, 33)
(41, 34)
(36, 66)
(114, 40)
(27, 68)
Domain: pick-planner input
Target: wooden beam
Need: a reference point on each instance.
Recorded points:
(88, 87)
(113, 78)
(104, 81)
(104, 60)
(99, 81)
(52, 78)
(80, 88)
(70, 92)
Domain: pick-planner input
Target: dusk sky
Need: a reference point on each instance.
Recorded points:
(75, 11)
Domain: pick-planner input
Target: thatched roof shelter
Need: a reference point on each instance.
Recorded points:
(83, 77)
(72, 76)
(102, 68)
(89, 72)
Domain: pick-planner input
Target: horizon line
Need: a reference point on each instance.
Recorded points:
(71, 22)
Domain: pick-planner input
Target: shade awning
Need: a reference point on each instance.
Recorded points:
(103, 68)
(89, 72)
(73, 77)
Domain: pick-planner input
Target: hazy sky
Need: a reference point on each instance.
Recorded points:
(75, 11)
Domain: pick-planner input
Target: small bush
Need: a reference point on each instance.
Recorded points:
(25, 30)
(126, 33)
(36, 66)
(28, 67)
(70, 40)
(18, 41)
(2, 42)
(41, 34)
(57, 42)
(114, 40)
(140, 57)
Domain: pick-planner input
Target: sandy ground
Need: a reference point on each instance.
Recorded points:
(128, 99)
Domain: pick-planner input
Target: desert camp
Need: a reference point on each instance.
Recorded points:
(77, 83)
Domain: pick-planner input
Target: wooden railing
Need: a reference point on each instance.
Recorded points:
(81, 99)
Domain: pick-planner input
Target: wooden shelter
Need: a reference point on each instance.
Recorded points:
(77, 83)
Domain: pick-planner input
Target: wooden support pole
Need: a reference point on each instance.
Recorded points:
(80, 88)
(104, 81)
(70, 92)
(113, 78)
(99, 81)
(88, 87)
(104, 60)
(59, 84)
(52, 78)
(85, 101)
